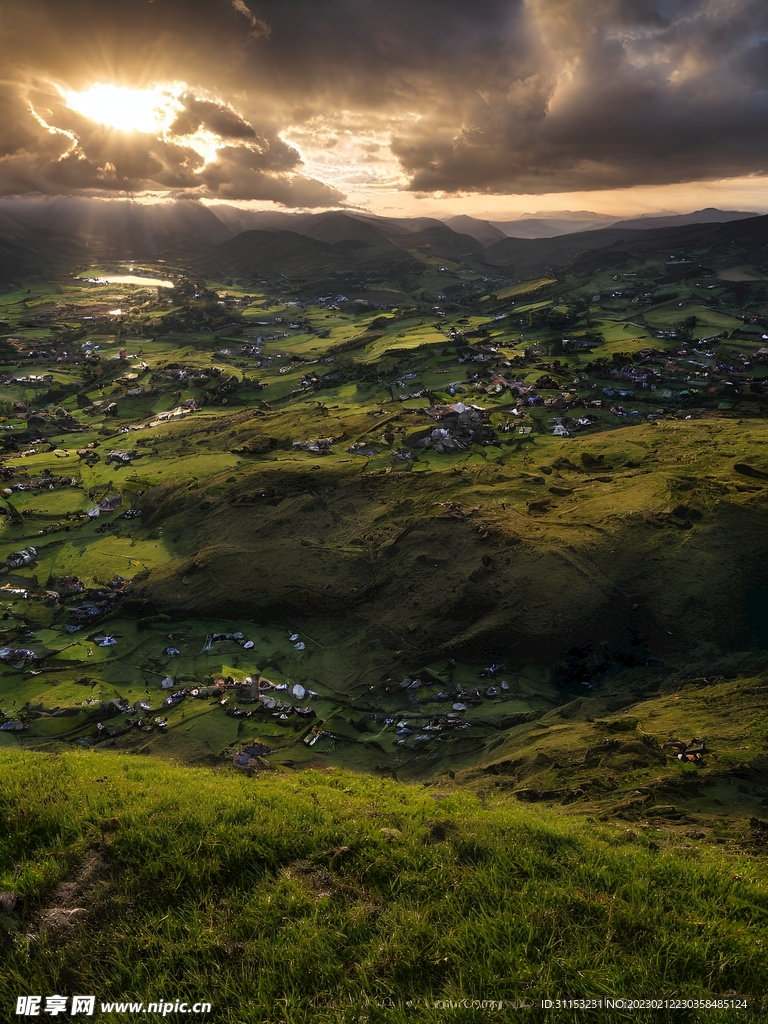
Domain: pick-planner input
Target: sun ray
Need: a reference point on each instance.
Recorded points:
(152, 110)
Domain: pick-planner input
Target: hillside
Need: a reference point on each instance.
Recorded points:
(482, 230)
(323, 895)
(122, 229)
(702, 245)
(531, 257)
(338, 227)
(447, 520)
(406, 258)
(709, 216)
(30, 260)
(308, 264)
(540, 226)
(292, 525)
(553, 226)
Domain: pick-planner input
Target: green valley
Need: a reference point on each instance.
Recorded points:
(305, 534)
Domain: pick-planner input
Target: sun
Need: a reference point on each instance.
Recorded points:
(130, 110)
(152, 111)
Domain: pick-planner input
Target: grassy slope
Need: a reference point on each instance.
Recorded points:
(253, 900)
(298, 897)
(447, 579)
(585, 754)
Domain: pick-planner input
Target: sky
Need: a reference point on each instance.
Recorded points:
(493, 108)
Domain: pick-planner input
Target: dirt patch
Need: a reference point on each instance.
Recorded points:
(74, 896)
(7, 902)
(439, 831)
(320, 883)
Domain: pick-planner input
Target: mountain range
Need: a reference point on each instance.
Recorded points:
(323, 249)
(565, 223)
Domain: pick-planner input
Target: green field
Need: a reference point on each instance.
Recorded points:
(474, 573)
(524, 288)
(325, 896)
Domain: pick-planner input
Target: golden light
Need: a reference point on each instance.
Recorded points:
(350, 151)
(130, 110)
(152, 111)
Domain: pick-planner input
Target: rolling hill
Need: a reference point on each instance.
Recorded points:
(122, 229)
(709, 216)
(345, 250)
(485, 232)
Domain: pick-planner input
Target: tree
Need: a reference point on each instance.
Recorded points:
(558, 319)
(685, 328)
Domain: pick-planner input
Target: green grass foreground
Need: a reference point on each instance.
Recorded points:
(321, 895)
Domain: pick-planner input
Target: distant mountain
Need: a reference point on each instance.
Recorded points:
(439, 241)
(21, 262)
(709, 216)
(44, 235)
(333, 250)
(531, 257)
(689, 249)
(485, 232)
(270, 253)
(28, 252)
(350, 225)
(577, 216)
(118, 228)
(715, 244)
(399, 224)
(304, 262)
(237, 220)
(572, 223)
(341, 227)
(550, 227)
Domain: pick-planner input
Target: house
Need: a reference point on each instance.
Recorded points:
(560, 431)
(110, 504)
(577, 345)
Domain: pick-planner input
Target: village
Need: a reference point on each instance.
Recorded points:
(115, 407)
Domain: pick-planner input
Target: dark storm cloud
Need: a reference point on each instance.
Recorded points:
(259, 27)
(214, 116)
(506, 95)
(622, 94)
(78, 154)
(238, 174)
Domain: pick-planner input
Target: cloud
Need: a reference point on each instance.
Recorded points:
(259, 27)
(208, 150)
(215, 117)
(620, 94)
(495, 96)
(245, 173)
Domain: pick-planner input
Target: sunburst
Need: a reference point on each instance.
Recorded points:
(151, 111)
